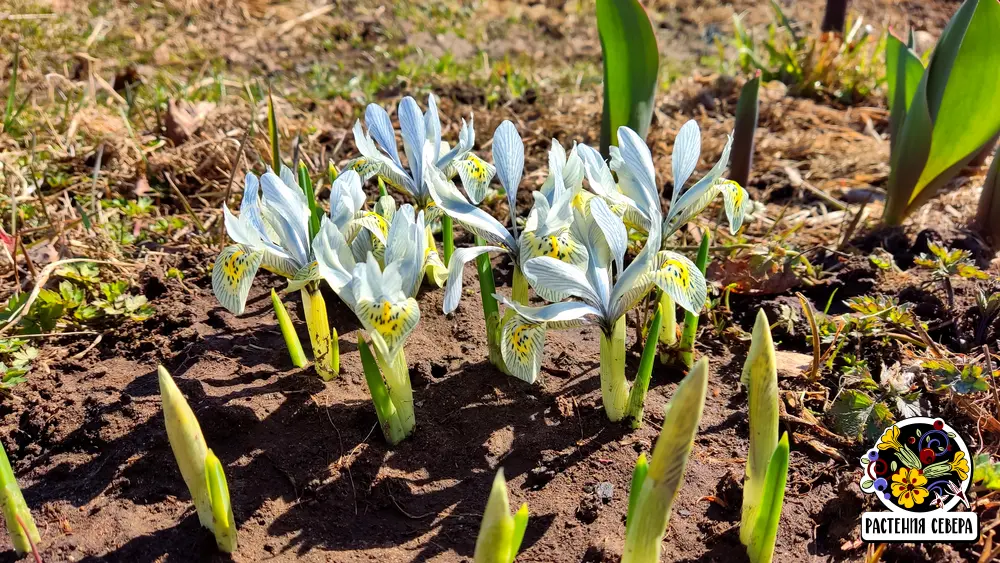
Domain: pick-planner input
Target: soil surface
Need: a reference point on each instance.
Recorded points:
(310, 475)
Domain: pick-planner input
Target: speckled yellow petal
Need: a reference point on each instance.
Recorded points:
(233, 274)
(521, 343)
(476, 175)
(393, 321)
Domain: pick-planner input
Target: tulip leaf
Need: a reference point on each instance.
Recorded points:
(988, 214)
(631, 64)
(902, 66)
(954, 112)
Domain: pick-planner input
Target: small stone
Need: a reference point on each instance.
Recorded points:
(605, 491)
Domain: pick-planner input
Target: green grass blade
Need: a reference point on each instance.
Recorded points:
(8, 113)
(631, 64)
(746, 125)
(691, 319)
(637, 396)
(291, 337)
(761, 549)
(315, 210)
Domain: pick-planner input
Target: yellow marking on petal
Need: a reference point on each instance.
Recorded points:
(678, 271)
(235, 266)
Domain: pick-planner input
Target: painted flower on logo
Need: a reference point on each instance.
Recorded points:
(908, 486)
(890, 439)
(960, 465)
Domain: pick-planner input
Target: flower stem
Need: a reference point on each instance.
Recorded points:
(614, 386)
(691, 319)
(447, 238)
(668, 333)
(388, 418)
(397, 379)
(519, 289)
(326, 348)
(288, 332)
(491, 310)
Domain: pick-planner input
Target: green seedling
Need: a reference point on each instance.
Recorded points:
(288, 332)
(655, 486)
(200, 468)
(500, 534)
(767, 462)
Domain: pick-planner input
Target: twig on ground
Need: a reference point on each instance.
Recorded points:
(185, 204)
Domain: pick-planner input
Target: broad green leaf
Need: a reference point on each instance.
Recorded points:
(272, 131)
(631, 64)
(964, 96)
(761, 548)
(954, 112)
(760, 375)
(903, 66)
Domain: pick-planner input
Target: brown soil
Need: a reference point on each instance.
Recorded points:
(312, 478)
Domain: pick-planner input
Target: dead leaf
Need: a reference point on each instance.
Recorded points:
(183, 119)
